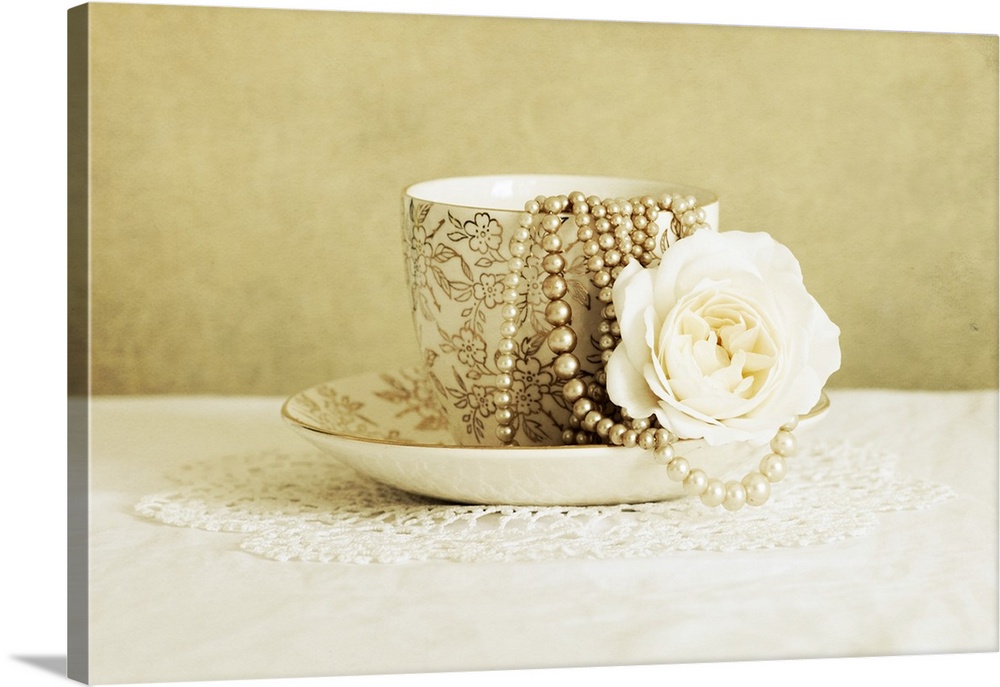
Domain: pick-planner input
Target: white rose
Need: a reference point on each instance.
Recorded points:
(721, 340)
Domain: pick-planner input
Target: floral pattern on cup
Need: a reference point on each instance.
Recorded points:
(455, 267)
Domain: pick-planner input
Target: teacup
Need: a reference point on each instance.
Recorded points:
(456, 236)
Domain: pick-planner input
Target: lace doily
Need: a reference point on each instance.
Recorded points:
(307, 507)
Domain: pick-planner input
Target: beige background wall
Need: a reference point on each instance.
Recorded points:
(246, 167)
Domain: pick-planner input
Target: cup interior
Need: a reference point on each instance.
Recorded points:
(509, 192)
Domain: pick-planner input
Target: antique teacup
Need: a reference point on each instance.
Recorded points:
(456, 239)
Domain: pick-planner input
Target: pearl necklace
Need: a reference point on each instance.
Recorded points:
(614, 232)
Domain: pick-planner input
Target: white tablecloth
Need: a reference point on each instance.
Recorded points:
(172, 603)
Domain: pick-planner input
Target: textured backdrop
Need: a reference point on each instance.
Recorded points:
(246, 164)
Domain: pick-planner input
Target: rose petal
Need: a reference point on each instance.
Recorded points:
(627, 387)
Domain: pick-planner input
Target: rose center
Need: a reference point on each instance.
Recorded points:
(721, 341)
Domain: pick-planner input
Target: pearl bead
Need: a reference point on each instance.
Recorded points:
(663, 454)
(525, 219)
(509, 311)
(508, 329)
(617, 433)
(515, 264)
(647, 440)
(641, 423)
(582, 406)
(695, 483)
(758, 489)
(554, 287)
(595, 263)
(773, 467)
(511, 296)
(554, 204)
(551, 223)
(518, 249)
(521, 234)
(574, 389)
(512, 280)
(551, 243)
(791, 425)
(561, 340)
(736, 496)
(568, 436)
(503, 398)
(566, 366)
(783, 443)
(591, 419)
(506, 345)
(591, 248)
(504, 415)
(604, 426)
(714, 493)
(630, 438)
(532, 207)
(505, 363)
(601, 279)
(664, 437)
(558, 312)
(678, 469)
(504, 381)
(504, 433)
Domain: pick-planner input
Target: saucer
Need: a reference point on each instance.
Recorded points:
(389, 427)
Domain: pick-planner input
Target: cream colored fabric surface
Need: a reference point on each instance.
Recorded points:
(247, 165)
(170, 604)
